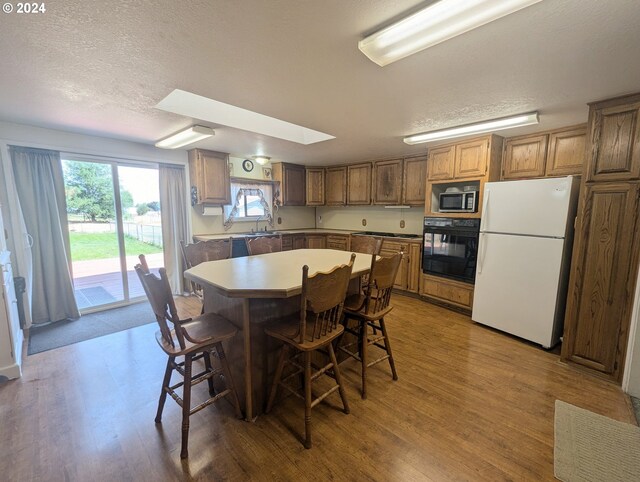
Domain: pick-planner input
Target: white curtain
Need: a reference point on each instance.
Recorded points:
(239, 190)
(40, 185)
(175, 227)
(19, 241)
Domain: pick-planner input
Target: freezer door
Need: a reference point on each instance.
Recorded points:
(535, 207)
(517, 283)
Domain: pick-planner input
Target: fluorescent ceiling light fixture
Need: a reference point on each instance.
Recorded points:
(187, 136)
(436, 23)
(262, 160)
(198, 107)
(477, 128)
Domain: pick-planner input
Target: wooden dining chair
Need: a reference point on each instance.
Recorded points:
(201, 251)
(192, 338)
(368, 309)
(263, 244)
(366, 244)
(314, 328)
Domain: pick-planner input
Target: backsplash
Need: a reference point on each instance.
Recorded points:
(378, 218)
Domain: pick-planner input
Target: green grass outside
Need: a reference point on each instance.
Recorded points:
(86, 246)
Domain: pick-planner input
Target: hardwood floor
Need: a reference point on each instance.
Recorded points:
(471, 404)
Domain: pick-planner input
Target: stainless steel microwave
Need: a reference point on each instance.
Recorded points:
(458, 202)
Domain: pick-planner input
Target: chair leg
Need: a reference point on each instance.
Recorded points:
(276, 378)
(336, 371)
(387, 344)
(307, 399)
(209, 367)
(186, 406)
(363, 356)
(228, 380)
(165, 384)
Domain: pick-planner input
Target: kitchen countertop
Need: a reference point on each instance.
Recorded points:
(205, 237)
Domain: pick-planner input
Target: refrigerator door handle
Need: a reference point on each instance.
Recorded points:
(483, 252)
(485, 211)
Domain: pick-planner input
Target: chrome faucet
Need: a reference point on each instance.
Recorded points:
(257, 221)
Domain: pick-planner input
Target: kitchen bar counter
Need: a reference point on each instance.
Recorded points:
(254, 291)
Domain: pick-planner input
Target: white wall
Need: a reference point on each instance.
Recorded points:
(378, 218)
(631, 379)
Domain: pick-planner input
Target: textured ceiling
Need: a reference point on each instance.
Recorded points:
(99, 68)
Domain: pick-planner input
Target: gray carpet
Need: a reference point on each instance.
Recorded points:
(590, 447)
(55, 335)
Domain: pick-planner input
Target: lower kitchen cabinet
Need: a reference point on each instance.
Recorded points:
(450, 292)
(316, 241)
(287, 243)
(299, 241)
(337, 241)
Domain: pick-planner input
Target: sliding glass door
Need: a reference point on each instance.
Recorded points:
(114, 216)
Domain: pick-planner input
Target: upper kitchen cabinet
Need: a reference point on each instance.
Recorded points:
(524, 157)
(336, 186)
(209, 175)
(461, 166)
(471, 159)
(359, 184)
(292, 179)
(315, 186)
(387, 182)
(559, 152)
(441, 163)
(614, 136)
(566, 152)
(414, 180)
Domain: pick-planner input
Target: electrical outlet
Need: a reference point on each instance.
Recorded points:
(364, 222)
(402, 223)
(320, 219)
(279, 220)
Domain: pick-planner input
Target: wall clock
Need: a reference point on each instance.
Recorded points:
(247, 165)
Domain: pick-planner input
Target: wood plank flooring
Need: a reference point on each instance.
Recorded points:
(471, 404)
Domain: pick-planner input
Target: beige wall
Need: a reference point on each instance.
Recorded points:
(378, 218)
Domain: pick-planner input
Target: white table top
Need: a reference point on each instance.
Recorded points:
(272, 275)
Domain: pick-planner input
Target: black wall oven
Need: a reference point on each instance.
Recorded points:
(450, 248)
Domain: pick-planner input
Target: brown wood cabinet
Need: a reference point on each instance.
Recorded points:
(299, 241)
(209, 175)
(464, 164)
(359, 184)
(606, 249)
(441, 163)
(336, 186)
(338, 241)
(566, 152)
(414, 175)
(315, 186)
(605, 263)
(387, 182)
(316, 241)
(471, 158)
(450, 292)
(292, 179)
(614, 153)
(559, 152)
(414, 264)
(390, 248)
(287, 242)
(524, 157)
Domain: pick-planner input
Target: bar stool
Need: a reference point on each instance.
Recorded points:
(192, 338)
(314, 328)
(368, 309)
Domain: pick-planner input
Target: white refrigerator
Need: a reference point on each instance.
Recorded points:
(524, 253)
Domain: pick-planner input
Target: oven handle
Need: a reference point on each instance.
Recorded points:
(485, 211)
(483, 253)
